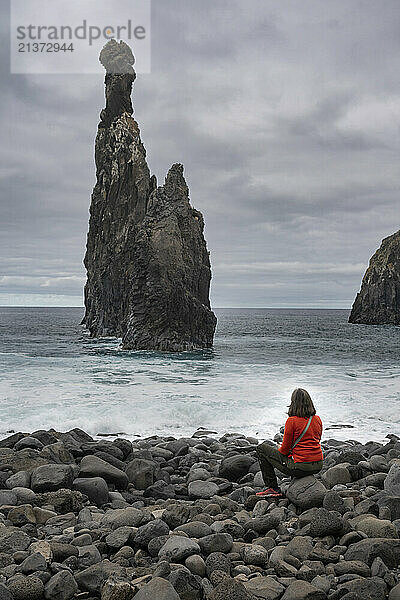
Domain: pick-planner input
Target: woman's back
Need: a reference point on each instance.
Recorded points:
(308, 448)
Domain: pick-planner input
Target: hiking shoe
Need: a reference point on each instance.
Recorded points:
(270, 493)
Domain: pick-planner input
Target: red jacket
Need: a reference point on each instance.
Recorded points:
(309, 447)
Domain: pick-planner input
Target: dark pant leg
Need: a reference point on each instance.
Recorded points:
(270, 458)
(299, 470)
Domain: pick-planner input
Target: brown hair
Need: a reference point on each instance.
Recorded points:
(301, 404)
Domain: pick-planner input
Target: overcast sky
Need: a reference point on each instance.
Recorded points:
(286, 117)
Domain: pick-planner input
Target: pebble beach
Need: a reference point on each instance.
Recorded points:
(169, 518)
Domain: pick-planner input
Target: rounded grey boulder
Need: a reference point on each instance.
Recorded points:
(202, 489)
(235, 467)
(62, 586)
(306, 492)
(141, 473)
(392, 481)
(50, 478)
(95, 488)
(147, 532)
(302, 590)
(93, 466)
(216, 542)
(177, 548)
(157, 588)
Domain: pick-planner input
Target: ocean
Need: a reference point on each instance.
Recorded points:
(53, 375)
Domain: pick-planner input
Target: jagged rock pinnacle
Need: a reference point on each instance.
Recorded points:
(148, 268)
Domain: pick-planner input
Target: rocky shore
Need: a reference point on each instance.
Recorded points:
(167, 519)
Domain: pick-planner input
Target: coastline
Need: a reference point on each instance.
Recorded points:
(167, 517)
(51, 375)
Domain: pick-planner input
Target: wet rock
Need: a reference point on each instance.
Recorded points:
(11, 440)
(28, 442)
(26, 460)
(57, 453)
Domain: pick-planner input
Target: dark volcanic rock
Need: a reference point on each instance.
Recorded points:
(148, 269)
(378, 301)
(161, 543)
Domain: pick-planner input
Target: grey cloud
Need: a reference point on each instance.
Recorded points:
(282, 115)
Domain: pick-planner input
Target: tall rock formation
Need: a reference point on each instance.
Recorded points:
(378, 301)
(148, 268)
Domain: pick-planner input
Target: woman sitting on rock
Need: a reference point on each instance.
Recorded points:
(300, 453)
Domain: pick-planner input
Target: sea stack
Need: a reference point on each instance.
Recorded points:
(378, 301)
(148, 268)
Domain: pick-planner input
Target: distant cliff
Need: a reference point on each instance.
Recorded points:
(378, 301)
(148, 268)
